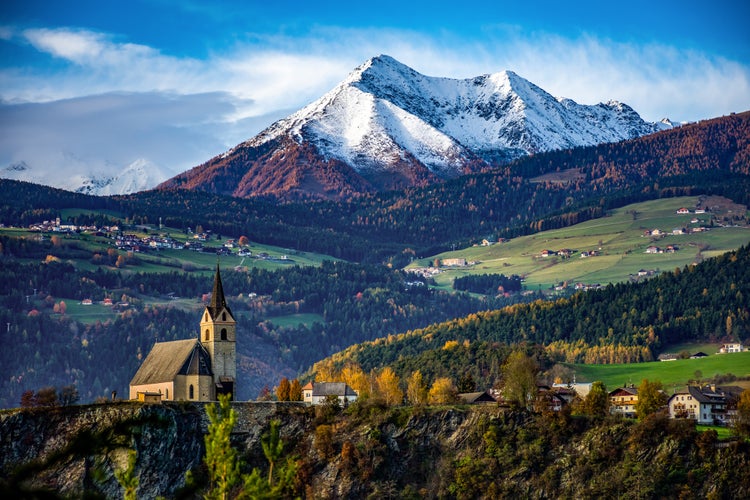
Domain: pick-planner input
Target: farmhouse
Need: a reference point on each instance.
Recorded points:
(709, 405)
(622, 401)
(316, 393)
(729, 348)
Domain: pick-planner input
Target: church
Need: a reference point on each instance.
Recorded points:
(193, 369)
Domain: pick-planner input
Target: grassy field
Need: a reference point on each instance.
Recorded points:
(672, 374)
(166, 260)
(618, 238)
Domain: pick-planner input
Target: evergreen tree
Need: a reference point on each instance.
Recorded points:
(221, 459)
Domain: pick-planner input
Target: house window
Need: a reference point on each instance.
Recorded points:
(191, 392)
(207, 335)
(223, 334)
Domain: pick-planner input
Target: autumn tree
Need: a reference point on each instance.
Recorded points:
(442, 391)
(353, 375)
(387, 383)
(283, 391)
(651, 398)
(741, 424)
(416, 389)
(47, 396)
(243, 240)
(596, 402)
(295, 391)
(68, 395)
(519, 379)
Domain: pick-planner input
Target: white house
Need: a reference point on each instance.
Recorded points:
(706, 405)
(316, 393)
(728, 348)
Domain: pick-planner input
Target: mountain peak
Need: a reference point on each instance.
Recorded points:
(387, 126)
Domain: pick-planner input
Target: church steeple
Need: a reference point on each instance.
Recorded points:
(218, 302)
(218, 336)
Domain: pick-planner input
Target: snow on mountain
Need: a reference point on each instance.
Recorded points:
(384, 111)
(73, 174)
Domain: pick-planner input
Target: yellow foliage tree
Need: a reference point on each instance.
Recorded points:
(416, 389)
(442, 391)
(387, 383)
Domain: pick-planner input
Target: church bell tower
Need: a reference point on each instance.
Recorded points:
(218, 335)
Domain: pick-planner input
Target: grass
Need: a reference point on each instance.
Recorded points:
(672, 374)
(618, 237)
(723, 432)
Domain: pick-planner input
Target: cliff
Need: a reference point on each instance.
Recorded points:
(372, 451)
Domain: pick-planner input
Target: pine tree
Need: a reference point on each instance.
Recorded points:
(221, 459)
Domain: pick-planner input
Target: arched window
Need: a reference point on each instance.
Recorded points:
(223, 334)
(205, 317)
(224, 316)
(191, 393)
(207, 334)
(167, 394)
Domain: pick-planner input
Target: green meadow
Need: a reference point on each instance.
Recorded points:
(672, 374)
(617, 238)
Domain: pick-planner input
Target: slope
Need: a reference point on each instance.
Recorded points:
(621, 323)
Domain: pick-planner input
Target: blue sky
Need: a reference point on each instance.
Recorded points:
(108, 83)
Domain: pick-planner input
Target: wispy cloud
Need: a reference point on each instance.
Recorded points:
(179, 111)
(281, 73)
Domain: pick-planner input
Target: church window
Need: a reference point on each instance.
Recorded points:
(191, 393)
(167, 394)
(207, 335)
(205, 317)
(223, 334)
(223, 316)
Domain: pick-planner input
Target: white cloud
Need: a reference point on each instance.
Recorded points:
(115, 102)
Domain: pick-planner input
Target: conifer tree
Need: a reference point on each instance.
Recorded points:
(221, 459)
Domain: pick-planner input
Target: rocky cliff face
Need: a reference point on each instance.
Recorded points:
(372, 451)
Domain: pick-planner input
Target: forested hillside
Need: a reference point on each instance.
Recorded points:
(46, 347)
(618, 324)
(540, 192)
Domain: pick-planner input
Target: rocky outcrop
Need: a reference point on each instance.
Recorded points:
(372, 451)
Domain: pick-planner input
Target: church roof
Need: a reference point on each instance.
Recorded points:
(169, 359)
(218, 302)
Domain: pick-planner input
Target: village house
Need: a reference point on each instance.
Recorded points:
(622, 401)
(457, 262)
(668, 357)
(473, 398)
(707, 405)
(683, 210)
(197, 369)
(316, 393)
(730, 348)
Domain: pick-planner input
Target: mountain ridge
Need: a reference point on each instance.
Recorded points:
(392, 127)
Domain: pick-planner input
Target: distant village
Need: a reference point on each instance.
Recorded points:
(131, 242)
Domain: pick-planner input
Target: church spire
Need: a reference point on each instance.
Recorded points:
(218, 302)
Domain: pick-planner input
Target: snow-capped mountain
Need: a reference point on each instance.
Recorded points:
(388, 126)
(384, 104)
(75, 175)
